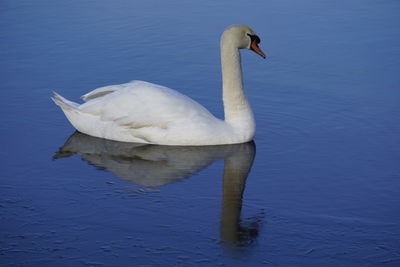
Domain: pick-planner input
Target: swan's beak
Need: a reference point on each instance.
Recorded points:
(255, 48)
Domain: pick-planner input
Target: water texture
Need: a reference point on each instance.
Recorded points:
(319, 186)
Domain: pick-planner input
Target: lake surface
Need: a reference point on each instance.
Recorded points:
(319, 186)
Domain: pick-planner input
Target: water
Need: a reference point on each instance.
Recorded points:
(318, 187)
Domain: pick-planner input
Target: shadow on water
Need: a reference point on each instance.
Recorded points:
(154, 165)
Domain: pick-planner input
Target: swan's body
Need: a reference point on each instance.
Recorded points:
(148, 113)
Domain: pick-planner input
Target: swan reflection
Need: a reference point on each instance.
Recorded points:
(153, 165)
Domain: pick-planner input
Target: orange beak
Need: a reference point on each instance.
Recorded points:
(255, 48)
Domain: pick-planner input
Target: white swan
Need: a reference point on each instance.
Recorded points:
(143, 112)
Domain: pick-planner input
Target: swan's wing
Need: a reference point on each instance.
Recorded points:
(102, 91)
(140, 104)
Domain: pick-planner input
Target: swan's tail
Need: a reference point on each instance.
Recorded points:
(72, 112)
(65, 104)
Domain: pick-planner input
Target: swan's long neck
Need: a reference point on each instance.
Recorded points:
(237, 109)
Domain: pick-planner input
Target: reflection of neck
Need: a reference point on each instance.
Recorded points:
(236, 169)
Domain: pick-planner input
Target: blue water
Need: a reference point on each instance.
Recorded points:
(319, 186)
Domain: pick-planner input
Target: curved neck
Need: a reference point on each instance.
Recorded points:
(236, 106)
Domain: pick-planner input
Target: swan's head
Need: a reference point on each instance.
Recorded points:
(242, 37)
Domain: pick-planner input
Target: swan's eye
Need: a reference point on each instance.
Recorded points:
(254, 38)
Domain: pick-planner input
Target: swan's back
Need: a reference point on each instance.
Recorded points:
(140, 104)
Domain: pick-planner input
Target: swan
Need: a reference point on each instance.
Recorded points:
(143, 112)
